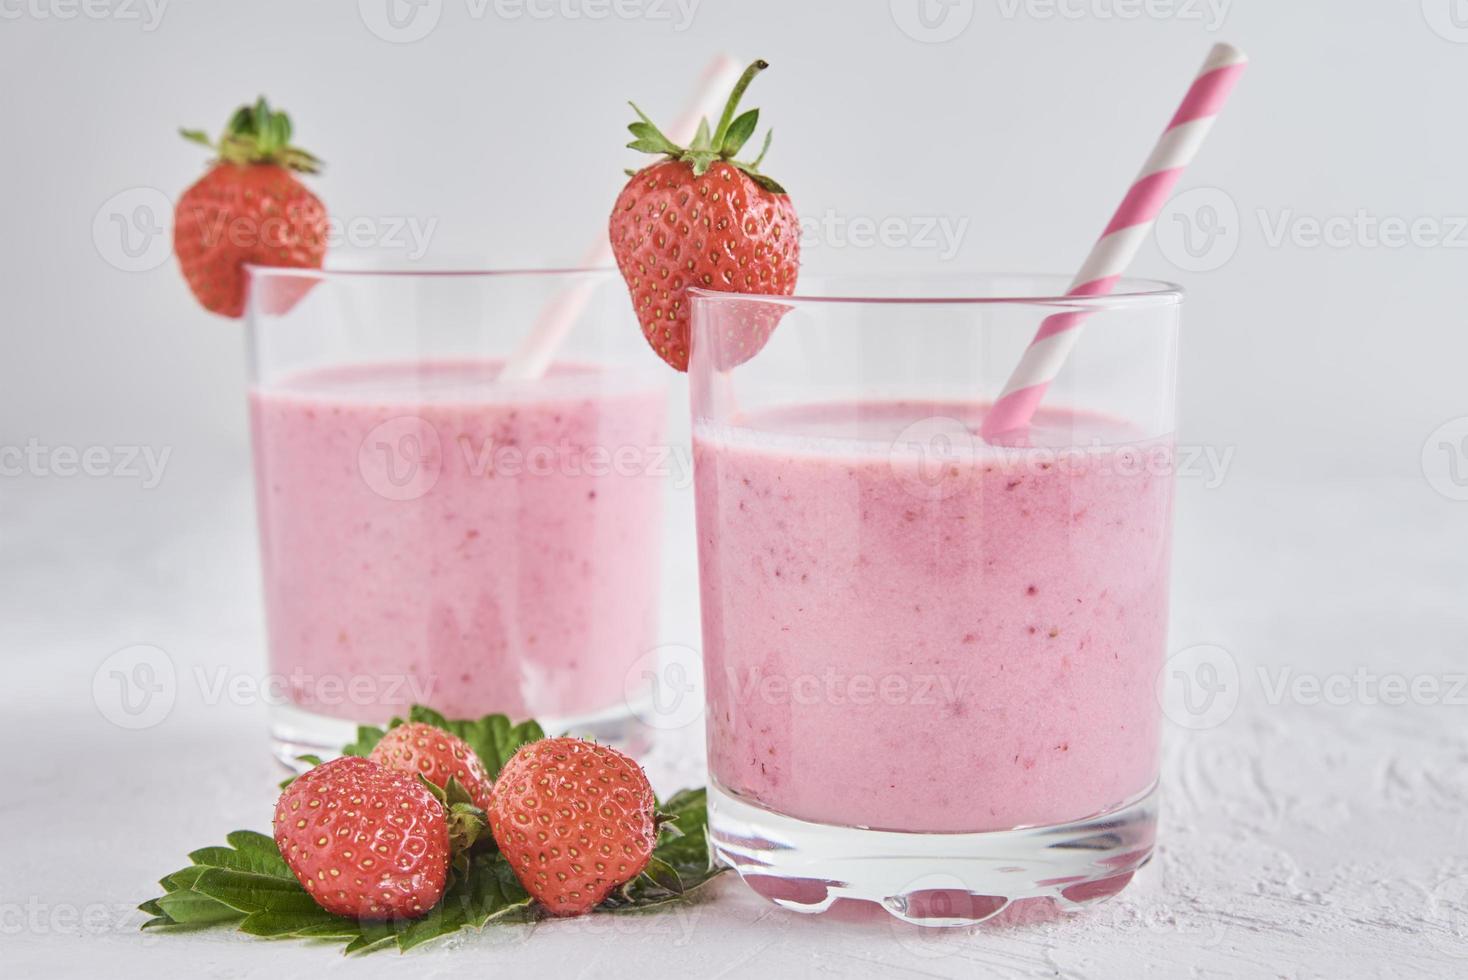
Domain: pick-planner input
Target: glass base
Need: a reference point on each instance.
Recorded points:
(295, 732)
(932, 879)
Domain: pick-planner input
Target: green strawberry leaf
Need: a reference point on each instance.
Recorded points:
(644, 146)
(255, 893)
(754, 164)
(257, 845)
(300, 925)
(234, 859)
(649, 130)
(683, 843)
(367, 738)
(337, 928)
(740, 130)
(182, 879)
(768, 183)
(365, 943)
(424, 715)
(454, 794)
(650, 139)
(664, 875)
(702, 138)
(191, 908)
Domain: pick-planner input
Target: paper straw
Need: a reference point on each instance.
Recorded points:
(538, 348)
(1121, 240)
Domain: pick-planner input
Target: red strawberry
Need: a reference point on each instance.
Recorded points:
(364, 840)
(575, 820)
(701, 218)
(437, 755)
(249, 208)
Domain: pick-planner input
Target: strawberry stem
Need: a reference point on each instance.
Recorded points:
(734, 97)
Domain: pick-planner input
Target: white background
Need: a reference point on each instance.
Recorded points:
(508, 132)
(1303, 838)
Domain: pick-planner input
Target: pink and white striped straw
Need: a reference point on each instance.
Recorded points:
(1121, 240)
(538, 348)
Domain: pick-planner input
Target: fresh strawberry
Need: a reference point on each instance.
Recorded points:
(575, 820)
(437, 756)
(249, 209)
(365, 841)
(702, 218)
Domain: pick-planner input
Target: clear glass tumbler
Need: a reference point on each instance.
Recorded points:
(433, 531)
(930, 661)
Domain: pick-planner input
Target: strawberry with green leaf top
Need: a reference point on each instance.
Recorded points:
(249, 209)
(700, 217)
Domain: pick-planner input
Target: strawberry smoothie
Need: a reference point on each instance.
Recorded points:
(430, 535)
(964, 648)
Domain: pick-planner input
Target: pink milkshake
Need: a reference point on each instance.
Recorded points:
(431, 535)
(961, 649)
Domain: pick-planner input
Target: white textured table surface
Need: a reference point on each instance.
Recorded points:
(1304, 834)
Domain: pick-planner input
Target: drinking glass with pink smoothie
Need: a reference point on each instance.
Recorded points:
(930, 660)
(434, 532)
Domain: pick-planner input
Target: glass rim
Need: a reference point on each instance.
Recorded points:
(255, 269)
(1129, 293)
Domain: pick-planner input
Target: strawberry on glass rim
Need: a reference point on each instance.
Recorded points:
(249, 209)
(700, 217)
